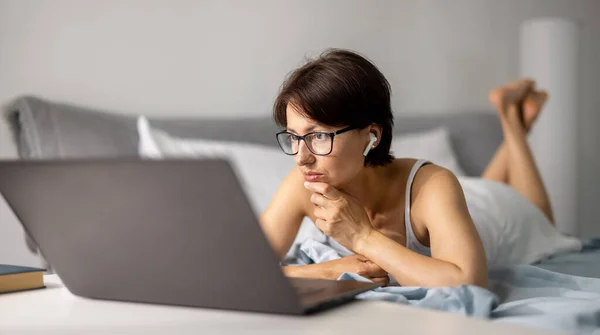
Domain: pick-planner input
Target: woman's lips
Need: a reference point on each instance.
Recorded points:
(312, 177)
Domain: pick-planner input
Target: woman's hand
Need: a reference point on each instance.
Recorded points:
(333, 269)
(339, 215)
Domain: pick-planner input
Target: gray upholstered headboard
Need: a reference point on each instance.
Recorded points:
(45, 129)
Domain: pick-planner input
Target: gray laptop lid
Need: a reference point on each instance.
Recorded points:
(174, 232)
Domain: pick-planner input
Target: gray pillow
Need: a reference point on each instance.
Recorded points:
(46, 129)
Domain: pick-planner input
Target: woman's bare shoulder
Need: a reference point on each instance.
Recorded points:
(434, 178)
(432, 183)
(291, 194)
(282, 218)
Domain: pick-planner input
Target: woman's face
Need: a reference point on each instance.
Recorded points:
(344, 162)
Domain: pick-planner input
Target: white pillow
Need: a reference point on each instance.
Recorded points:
(512, 230)
(433, 145)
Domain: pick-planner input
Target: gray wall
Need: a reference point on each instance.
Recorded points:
(229, 57)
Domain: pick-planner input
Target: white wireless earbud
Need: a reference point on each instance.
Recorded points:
(368, 148)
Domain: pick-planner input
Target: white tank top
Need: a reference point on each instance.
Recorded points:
(412, 243)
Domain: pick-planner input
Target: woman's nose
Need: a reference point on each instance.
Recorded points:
(304, 156)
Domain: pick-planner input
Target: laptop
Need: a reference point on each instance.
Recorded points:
(176, 232)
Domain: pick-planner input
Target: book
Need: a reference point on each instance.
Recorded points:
(15, 278)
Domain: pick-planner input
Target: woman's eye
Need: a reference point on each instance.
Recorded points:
(294, 137)
(321, 136)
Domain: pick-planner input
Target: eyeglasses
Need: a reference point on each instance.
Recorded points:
(319, 143)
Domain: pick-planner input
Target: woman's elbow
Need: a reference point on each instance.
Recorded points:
(477, 278)
(457, 276)
(467, 276)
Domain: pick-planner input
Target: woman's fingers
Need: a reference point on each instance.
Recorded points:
(318, 200)
(360, 257)
(325, 189)
(374, 270)
(384, 281)
(321, 213)
(369, 269)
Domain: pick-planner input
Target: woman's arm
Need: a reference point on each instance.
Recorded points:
(333, 269)
(282, 218)
(457, 253)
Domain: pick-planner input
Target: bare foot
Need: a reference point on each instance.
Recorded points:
(532, 105)
(508, 99)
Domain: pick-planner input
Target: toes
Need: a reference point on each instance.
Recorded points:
(524, 87)
(528, 82)
(513, 92)
(536, 99)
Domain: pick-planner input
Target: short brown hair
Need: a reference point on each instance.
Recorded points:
(341, 88)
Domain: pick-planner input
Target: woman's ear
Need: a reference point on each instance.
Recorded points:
(378, 132)
(374, 138)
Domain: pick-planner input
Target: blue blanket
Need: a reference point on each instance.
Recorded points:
(522, 294)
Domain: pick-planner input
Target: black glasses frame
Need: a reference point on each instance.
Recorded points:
(303, 138)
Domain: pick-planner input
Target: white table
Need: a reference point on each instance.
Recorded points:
(55, 310)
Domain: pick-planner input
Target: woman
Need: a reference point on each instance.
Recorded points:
(403, 217)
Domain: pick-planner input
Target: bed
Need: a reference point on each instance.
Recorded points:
(559, 293)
